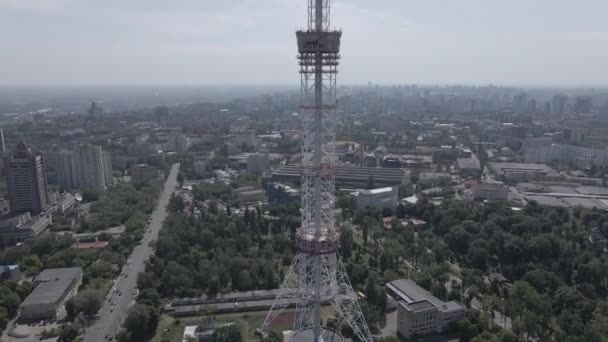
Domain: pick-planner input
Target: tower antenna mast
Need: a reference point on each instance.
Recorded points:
(317, 275)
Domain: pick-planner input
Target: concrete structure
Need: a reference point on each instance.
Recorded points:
(257, 162)
(420, 313)
(490, 192)
(53, 289)
(26, 181)
(143, 173)
(469, 167)
(518, 172)
(382, 197)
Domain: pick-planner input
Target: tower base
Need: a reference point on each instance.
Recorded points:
(299, 286)
(327, 335)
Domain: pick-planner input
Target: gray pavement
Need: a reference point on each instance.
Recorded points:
(123, 292)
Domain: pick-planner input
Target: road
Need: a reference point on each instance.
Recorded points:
(122, 294)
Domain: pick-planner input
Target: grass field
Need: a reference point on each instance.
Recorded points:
(172, 329)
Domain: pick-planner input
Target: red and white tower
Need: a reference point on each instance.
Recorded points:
(317, 276)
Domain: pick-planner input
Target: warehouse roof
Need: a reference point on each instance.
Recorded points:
(52, 284)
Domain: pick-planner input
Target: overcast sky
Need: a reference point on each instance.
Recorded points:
(157, 42)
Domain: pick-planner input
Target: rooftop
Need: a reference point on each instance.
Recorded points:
(52, 284)
(413, 295)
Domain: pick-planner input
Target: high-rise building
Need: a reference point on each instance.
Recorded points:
(107, 168)
(88, 169)
(26, 180)
(559, 104)
(95, 110)
(583, 105)
(62, 164)
(532, 106)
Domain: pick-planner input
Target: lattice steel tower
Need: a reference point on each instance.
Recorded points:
(317, 275)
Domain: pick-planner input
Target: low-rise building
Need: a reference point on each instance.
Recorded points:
(16, 228)
(489, 191)
(420, 313)
(247, 195)
(280, 194)
(257, 162)
(469, 167)
(54, 287)
(382, 197)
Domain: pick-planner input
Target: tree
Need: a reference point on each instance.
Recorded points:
(137, 322)
(10, 300)
(229, 333)
(87, 301)
(176, 204)
(68, 332)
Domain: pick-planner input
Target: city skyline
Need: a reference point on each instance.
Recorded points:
(72, 42)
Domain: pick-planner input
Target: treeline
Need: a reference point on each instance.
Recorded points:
(561, 278)
(218, 252)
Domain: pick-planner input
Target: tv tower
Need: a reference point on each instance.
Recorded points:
(317, 275)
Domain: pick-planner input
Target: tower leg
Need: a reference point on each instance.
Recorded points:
(289, 293)
(346, 305)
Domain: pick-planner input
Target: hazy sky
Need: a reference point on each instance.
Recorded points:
(556, 42)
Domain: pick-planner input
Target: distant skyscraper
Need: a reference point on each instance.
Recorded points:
(520, 101)
(583, 105)
(161, 114)
(3, 147)
(26, 180)
(532, 106)
(95, 110)
(559, 104)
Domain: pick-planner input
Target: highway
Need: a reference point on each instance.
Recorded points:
(122, 294)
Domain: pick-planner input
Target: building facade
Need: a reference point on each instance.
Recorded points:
(419, 313)
(54, 287)
(87, 167)
(27, 181)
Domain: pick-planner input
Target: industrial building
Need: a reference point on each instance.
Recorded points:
(469, 166)
(387, 197)
(420, 313)
(347, 176)
(489, 192)
(54, 287)
(521, 172)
